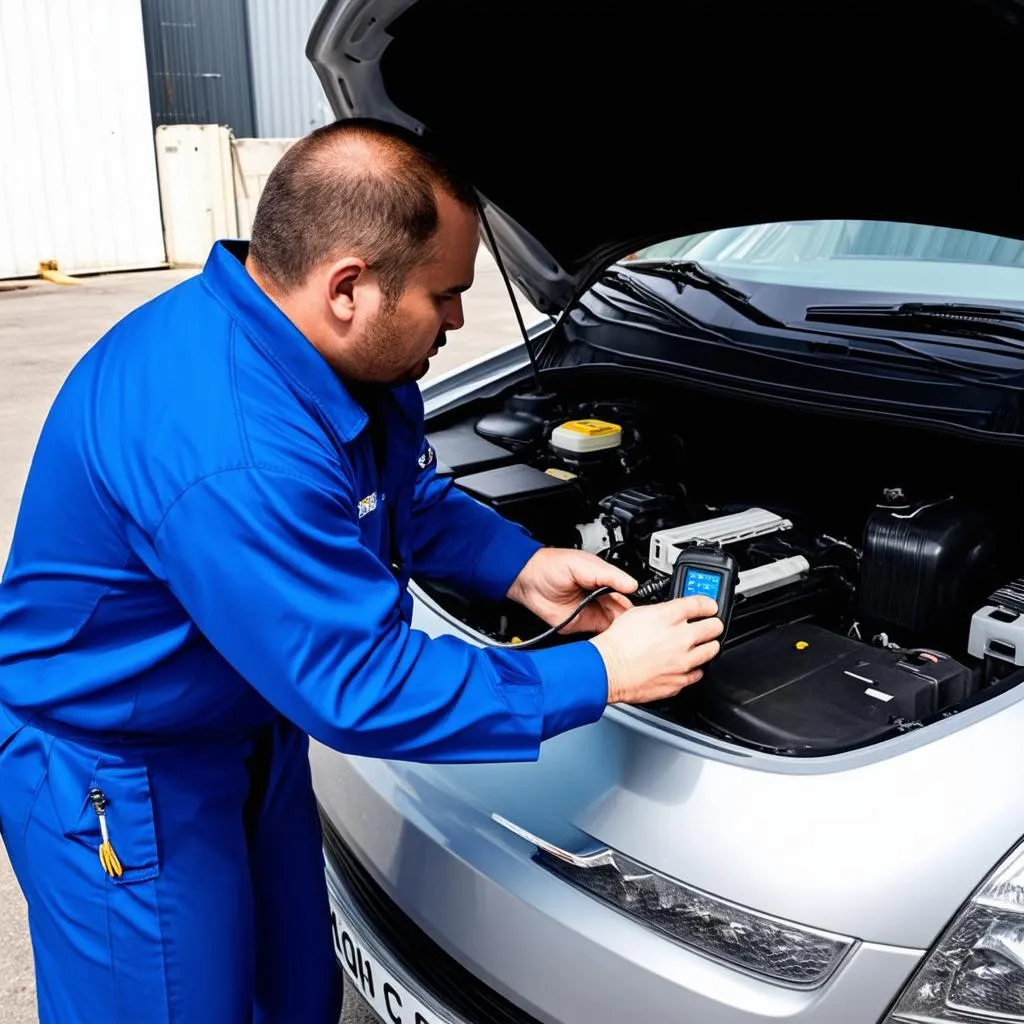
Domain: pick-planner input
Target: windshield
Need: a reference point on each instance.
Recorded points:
(859, 256)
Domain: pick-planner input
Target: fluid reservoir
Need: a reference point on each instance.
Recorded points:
(584, 437)
(590, 449)
(926, 566)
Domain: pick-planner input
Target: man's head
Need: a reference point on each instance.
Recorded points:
(366, 242)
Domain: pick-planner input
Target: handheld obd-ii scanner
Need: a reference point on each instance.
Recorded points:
(705, 568)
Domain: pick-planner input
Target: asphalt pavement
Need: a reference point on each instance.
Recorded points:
(44, 330)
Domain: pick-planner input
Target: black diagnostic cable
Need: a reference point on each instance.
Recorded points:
(593, 596)
(648, 590)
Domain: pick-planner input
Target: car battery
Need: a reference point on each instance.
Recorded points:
(803, 690)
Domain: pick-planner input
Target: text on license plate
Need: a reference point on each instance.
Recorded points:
(392, 1001)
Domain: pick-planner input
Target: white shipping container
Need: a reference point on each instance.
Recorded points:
(253, 160)
(197, 189)
(77, 166)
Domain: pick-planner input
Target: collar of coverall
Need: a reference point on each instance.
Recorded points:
(277, 338)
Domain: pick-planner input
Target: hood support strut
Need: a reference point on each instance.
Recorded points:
(511, 295)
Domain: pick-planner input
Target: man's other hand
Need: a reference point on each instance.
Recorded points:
(652, 653)
(555, 580)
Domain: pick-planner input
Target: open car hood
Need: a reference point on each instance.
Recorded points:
(592, 128)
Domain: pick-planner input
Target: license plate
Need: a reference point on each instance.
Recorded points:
(388, 997)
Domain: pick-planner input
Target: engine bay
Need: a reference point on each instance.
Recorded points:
(878, 584)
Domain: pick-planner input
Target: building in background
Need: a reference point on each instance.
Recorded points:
(236, 63)
(78, 182)
(197, 53)
(96, 89)
(289, 99)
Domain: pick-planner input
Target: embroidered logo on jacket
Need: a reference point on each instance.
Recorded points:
(427, 458)
(367, 504)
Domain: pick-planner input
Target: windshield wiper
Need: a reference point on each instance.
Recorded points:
(990, 323)
(629, 285)
(908, 354)
(692, 273)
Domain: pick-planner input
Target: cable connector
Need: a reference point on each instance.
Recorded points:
(652, 588)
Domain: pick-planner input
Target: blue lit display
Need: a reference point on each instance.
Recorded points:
(698, 581)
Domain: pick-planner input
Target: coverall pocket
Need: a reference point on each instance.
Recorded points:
(131, 825)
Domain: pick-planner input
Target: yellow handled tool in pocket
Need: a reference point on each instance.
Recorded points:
(111, 865)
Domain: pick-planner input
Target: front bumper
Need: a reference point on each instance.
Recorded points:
(491, 937)
(437, 980)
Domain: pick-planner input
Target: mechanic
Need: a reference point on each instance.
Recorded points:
(227, 501)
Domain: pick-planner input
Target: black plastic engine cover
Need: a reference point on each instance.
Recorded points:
(545, 505)
(802, 690)
(461, 450)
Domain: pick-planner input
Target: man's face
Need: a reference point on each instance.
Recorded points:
(398, 343)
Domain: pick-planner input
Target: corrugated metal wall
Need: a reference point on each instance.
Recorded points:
(198, 55)
(78, 177)
(289, 99)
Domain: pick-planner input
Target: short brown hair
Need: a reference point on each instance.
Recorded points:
(355, 186)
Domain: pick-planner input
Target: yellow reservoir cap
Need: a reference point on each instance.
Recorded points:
(587, 436)
(592, 428)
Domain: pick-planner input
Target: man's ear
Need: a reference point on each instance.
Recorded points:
(342, 278)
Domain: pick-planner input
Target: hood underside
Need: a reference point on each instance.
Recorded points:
(593, 128)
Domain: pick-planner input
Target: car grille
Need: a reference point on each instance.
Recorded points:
(435, 970)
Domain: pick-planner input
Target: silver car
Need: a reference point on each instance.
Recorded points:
(779, 249)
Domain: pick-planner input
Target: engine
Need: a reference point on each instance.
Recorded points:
(841, 635)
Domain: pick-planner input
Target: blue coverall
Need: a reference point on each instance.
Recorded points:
(209, 564)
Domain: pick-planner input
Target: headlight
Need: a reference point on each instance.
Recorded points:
(780, 951)
(976, 972)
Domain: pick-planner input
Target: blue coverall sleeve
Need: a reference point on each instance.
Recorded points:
(272, 569)
(458, 540)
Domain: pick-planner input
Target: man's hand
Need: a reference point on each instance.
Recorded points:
(651, 653)
(555, 580)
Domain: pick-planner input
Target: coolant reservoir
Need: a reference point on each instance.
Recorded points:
(584, 437)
